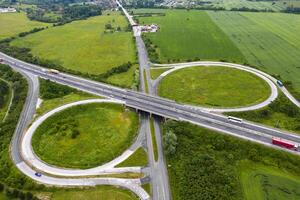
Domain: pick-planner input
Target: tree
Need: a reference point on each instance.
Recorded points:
(170, 143)
(108, 26)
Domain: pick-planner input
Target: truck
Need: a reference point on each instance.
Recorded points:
(279, 83)
(285, 144)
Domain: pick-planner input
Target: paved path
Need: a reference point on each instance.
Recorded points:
(265, 76)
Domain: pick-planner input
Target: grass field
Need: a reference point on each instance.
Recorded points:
(193, 36)
(214, 86)
(14, 23)
(261, 182)
(98, 193)
(86, 135)
(138, 158)
(83, 46)
(267, 40)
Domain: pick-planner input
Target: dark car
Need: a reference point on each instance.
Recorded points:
(38, 174)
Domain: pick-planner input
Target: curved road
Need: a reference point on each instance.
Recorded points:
(25, 118)
(226, 64)
(109, 168)
(272, 97)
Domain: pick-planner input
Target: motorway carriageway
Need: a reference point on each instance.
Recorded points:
(162, 107)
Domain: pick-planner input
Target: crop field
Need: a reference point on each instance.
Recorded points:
(260, 182)
(214, 86)
(14, 23)
(193, 36)
(98, 193)
(86, 135)
(266, 40)
(83, 45)
(258, 5)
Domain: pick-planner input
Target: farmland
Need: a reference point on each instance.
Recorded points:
(266, 40)
(212, 86)
(84, 45)
(193, 36)
(63, 138)
(14, 23)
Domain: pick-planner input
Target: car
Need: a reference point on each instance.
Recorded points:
(37, 174)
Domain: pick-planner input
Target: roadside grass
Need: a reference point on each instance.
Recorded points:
(7, 100)
(14, 23)
(147, 188)
(155, 73)
(85, 136)
(153, 138)
(266, 40)
(207, 163)
(146, 82)
(262, 182)
(281, 114)
(194, 36)
(214, 86)
(138, 158)
(83, 45)
(50, 104)
(54, 95)
(124, 79)
(97, 193)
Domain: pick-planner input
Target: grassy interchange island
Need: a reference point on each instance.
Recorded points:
(100, 132)
(214, 87)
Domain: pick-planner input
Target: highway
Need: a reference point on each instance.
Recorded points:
(26, 168)
(139, 101)
(160, 106)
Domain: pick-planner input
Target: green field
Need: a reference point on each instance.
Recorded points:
(14, 23)
(85, 136)
(83, 46)
(214, 86)
(138, 158)
(267, 40)
(97, 193)
(261, 182)
(193, 36)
